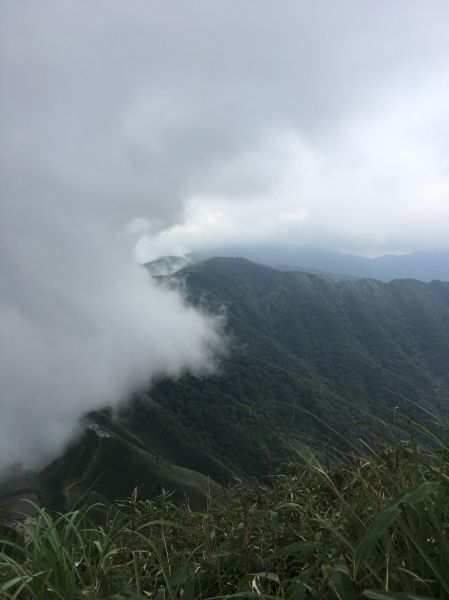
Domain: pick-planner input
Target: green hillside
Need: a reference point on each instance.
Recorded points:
(369, 524)
(319, 375)
(108, 462)
(299, 342)
(327, 274)
(307, 357)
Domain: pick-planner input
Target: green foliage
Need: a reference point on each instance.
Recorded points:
(373, 525)
(305, 355)
(339, 521)
(301, 348)
(106, 468)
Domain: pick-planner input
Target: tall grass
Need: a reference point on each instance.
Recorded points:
(374, 524)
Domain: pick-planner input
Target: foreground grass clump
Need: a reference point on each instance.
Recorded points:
(375, 527)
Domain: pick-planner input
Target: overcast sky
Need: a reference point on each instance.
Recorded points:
(182, 125)
(322, 123)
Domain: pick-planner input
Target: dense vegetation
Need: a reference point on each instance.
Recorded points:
(322, 376)
(302, 344)
(370, 523)
(304, 353)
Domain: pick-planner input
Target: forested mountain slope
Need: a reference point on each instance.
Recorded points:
(299, 340)
(303, 352)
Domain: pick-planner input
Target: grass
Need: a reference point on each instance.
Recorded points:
(111, 467)
(370, 524)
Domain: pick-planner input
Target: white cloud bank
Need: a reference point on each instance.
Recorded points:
(379, 184)
(193, 124)
(82, 327)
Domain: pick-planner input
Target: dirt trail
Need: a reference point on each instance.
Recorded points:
(84, 476)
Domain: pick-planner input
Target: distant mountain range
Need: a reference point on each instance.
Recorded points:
(167, 265)
(424, 266)
(305, 353)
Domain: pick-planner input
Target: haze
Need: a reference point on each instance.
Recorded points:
(153, 128)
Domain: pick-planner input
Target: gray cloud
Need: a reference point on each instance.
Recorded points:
(138, 107)
(212, 122)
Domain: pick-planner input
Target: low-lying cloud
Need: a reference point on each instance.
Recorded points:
(193, 125)
(82, 327)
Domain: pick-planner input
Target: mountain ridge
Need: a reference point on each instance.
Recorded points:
(425, 265)
(307, 356)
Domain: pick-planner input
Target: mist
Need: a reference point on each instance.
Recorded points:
(82, 327)
(131, 130)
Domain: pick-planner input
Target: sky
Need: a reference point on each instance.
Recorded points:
(310, 123)
(137, 129)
